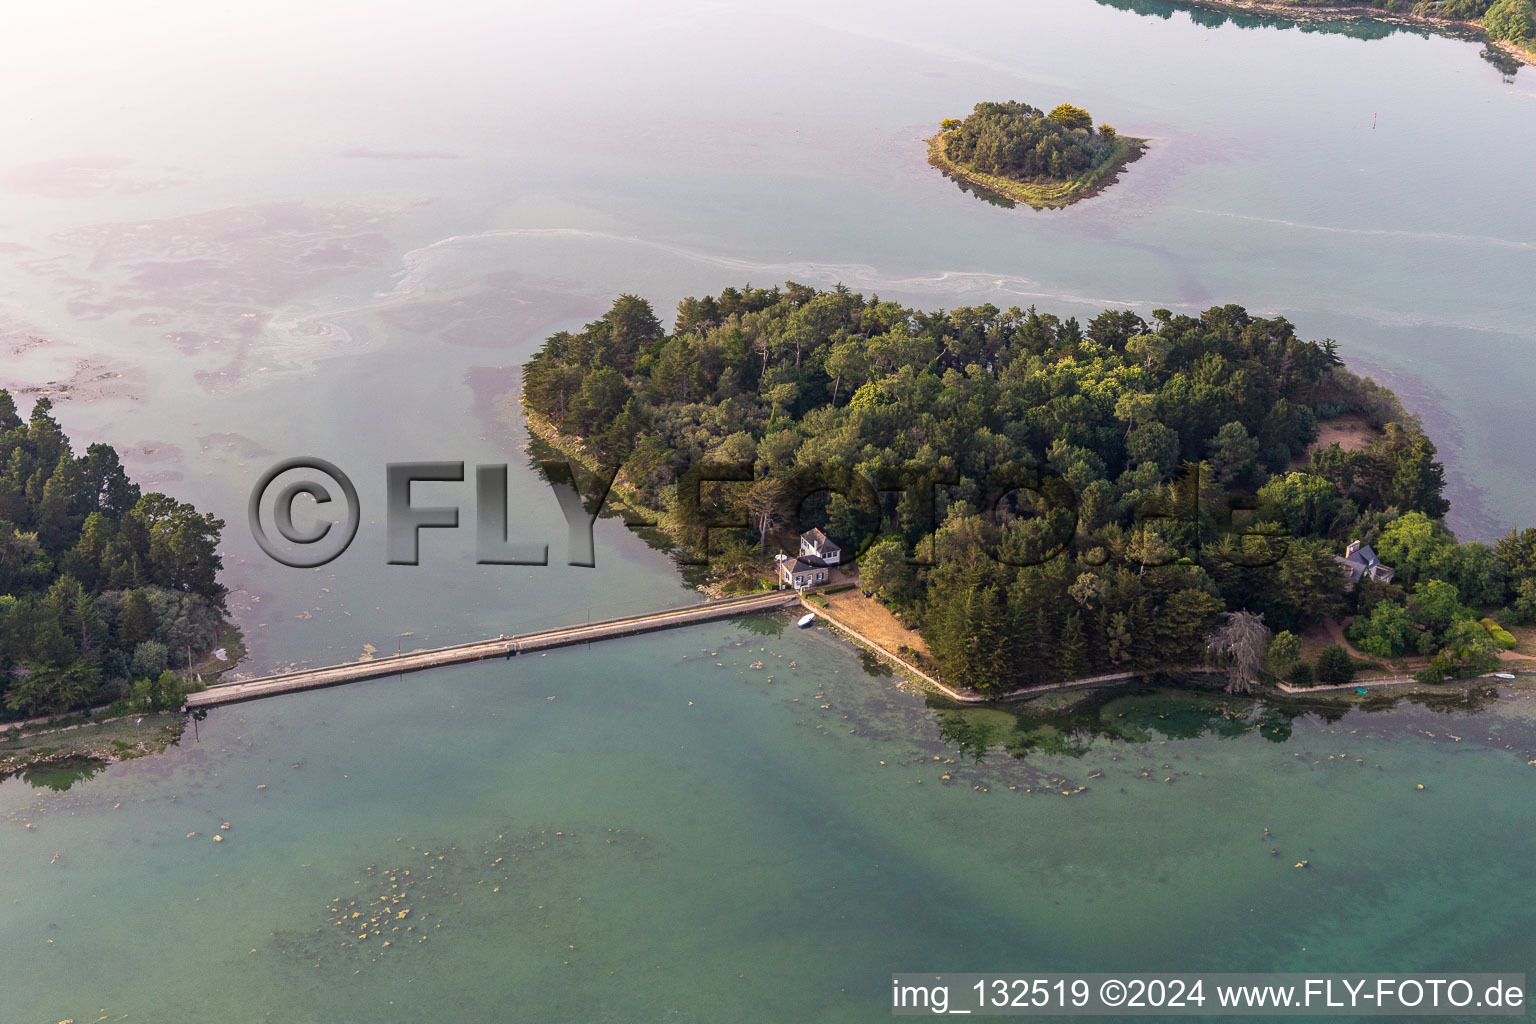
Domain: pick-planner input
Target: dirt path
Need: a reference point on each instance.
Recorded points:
(1336, 632)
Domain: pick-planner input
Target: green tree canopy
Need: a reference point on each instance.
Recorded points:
(1334, 666)
(1068, 116)
(1136, 560)
(1015, 140)
(98, 582)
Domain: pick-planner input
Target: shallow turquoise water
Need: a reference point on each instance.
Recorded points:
(347, 231)
(746, 856)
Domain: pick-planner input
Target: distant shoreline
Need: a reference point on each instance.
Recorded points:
(1043, 195)
(1352, 12)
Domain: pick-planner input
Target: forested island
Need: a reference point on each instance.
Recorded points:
(1201, 498)
(1029, 156)
(103, 590)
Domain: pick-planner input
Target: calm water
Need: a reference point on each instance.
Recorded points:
(674, 839)
(228, 241)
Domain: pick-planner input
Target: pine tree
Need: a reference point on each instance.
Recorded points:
(8, 418)
(135, 623)
(1071, 650)
(1028, 665)
(1117, 643)
(1045, 640)
(1139, 625)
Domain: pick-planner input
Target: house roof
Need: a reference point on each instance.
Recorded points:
(814, 536)
(1363, 555)
(1361, 562)
(798, 565)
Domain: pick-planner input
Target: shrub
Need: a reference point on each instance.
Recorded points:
(171, 690)
(1334, 666)
(1469, 649)
(149, 659)
(1283, 651)
(161, 693)
(1301, 674)
(1436, 671)
(1386, 633)
(1501, 636)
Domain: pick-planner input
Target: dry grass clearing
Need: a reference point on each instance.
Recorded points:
(871, 618)
(1352, 433)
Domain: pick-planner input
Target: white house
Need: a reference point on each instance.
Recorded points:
(799, 573)
(813, 566)
(816, 549)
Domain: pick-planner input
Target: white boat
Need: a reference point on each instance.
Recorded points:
(1503, 675)
(806, 620)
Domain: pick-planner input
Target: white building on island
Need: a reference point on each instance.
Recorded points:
(816, 549)
(813, 566)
